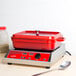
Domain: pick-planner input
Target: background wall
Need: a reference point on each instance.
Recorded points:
(53, 15)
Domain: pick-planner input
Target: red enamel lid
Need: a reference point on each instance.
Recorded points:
(2, 28)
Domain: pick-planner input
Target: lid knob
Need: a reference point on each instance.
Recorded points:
(37, 32)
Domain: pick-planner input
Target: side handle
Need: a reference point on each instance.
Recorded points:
(60, 39)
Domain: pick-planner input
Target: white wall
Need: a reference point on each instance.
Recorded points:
(53, 15)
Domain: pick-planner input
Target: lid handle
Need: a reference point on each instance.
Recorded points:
(37, 32)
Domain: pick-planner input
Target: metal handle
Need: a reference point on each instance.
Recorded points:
(41, 73)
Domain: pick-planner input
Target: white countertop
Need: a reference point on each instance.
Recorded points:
(23, 70)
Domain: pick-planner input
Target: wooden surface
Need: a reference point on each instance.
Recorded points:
(23, 70)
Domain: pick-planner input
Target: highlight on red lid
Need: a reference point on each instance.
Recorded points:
(2, 28)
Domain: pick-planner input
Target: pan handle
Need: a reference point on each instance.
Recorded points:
(60, 39)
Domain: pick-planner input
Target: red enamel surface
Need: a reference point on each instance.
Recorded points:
(45, 40)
